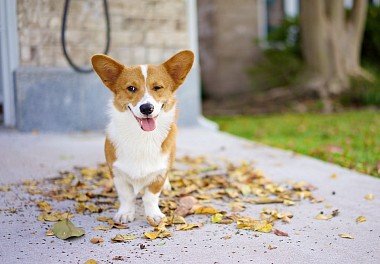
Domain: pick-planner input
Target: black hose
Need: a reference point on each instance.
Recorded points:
(63, 37)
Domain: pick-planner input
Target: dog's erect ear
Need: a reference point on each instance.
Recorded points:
(107, 68)
(179, 66)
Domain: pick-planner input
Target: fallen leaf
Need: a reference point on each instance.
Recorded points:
(44, 206)
(65, 229)
(221, 219)
(361, 219)
(102, 228)
(216, 218)
(54, 216)
(49, 233)
(157, 234)
(123, 238)
(288, 202)
(97, 240)
(227, 237)
(5, 188)
(323, 216)
(91, 261)
(237, 207)
(255, 225)
(266, 200)
(280, 233)
(205, 210)
(369, 197)
(270, 247)
(346, 235)
(333, 176)
(185, 227)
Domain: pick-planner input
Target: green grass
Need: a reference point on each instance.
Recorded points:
(350, 139)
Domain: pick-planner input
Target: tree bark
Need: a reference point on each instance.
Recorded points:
(331, 45)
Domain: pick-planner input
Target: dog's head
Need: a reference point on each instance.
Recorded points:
(145, 90)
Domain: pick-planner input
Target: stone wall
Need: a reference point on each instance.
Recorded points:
(227, 34)
(142, 31)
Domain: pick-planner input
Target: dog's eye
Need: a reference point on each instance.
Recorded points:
(132, 89)
(156, 88)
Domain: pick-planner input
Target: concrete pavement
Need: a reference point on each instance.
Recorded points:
(23, 240)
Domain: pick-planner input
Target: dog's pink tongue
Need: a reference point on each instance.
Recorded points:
(148, 124)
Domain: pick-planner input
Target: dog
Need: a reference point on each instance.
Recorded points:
(141, 136)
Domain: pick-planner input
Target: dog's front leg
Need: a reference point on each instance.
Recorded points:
(127, 199)
(151, 199)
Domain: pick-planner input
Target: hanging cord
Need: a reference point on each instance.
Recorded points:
(63, 37)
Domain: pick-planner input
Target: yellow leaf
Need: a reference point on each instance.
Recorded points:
(123, 237)
(91, 261)
(157, 234)
(216, 218)
(255, 225)
(346, 235)
(89, 173)
(369, 197)
(186, 227)
(361, 219)
(44, 206)
(102, 228)
(205, 210)
(323, 217)
(333, 176)
(289, 202)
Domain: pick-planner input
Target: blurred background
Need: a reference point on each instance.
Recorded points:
(302, 75)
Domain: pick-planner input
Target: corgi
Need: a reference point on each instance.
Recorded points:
(141, 135)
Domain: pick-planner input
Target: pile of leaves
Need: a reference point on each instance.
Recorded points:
(197, 186)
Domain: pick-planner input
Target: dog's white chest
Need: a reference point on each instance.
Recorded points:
(141, 159)
(139, 156)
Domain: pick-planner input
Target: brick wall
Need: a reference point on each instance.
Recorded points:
(142, 31)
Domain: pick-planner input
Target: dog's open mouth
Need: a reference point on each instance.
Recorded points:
(147, 124)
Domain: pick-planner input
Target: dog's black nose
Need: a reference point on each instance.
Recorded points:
(146, 109)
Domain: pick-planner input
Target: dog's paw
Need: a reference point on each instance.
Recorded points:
(124, 216)
(156, 215)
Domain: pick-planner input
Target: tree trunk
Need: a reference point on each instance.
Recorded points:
(331, 45)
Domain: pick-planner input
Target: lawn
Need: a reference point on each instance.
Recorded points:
(350, 139)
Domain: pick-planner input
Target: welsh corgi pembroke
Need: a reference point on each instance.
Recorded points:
(141, 136)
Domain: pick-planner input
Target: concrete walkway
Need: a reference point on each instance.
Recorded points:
(23, 240)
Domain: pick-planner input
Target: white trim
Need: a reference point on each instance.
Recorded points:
(9, 57)
(262, 20)
(291, 8)
(193, 29)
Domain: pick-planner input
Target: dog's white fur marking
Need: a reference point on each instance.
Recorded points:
(139, 158)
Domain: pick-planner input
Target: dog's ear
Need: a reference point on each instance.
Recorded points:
(179, 66)
(108, 69)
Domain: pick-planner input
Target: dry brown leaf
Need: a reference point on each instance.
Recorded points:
(280, 233)
(185, 227)
(270, 247)
(123, 238)
(346, 235)
(96, 240)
